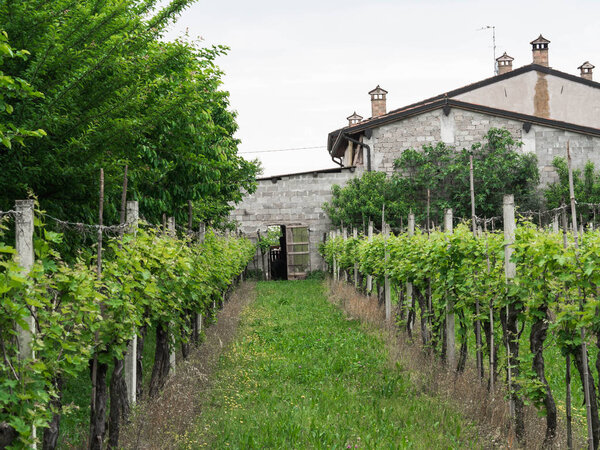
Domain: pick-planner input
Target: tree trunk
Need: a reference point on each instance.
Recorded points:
(488, 341)
(98, 408)
(8, 435)
(185, 342)
(510, 336)
(424, 310)
(576, 353)
(463, 352)
(119, 403)
(52, 432)
(160, 370)
(139, 382)
(537, 337)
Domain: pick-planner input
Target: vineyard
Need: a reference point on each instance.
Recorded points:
(59, 320)
(522, 301)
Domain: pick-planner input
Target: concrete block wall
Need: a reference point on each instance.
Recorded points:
(462, 128)
(292, 200)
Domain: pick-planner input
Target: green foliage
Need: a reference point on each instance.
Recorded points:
(270, 239)
(498, 168)
(116, 93)
(586, 185)
(362, 199)
(553, 284)
(12, 90)
(152, 278)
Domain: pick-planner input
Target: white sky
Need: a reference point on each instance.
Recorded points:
(296, 70)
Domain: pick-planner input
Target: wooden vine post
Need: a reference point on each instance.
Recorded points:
(478, 350)
(568, 401)
(491, 311)
(450, 319)
(584, 358)
(369, 276)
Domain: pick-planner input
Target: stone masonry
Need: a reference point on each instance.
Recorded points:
(295, 199)
(463, 128)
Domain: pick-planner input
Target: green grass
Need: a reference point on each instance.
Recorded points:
(300, 375)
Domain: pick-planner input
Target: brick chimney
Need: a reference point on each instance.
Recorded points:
(540, 51)
(354, 119)
(378, 107)
(504, 63)
(586, 70)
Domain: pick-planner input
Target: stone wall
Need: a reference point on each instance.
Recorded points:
(463, 128)
(295, 199)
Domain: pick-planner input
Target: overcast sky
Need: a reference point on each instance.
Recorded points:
(296, 70)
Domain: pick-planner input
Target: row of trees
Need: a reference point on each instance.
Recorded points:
(100, 88)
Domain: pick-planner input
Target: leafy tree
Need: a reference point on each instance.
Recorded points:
(116, 94)
(443, 171)
(586, 184)
(13, 89)
(362, 199)
(498, 169)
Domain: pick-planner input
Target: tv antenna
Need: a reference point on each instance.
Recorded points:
(493, 28)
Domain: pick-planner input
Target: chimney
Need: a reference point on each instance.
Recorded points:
(504, 63)
(586, 70)
(354, 119)
(378, 101)
(540, 51)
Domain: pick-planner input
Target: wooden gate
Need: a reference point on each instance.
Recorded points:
(298, 254)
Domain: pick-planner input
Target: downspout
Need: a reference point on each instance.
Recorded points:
(339, 163)
(365, 146)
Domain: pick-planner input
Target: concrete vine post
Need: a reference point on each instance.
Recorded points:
(355, 236)
(172, 350)
(369, 276)
(345, 237)
(450, 319)
(510, 272)
(386, 284)
(333, 235)
(198, 317)
(410, 319)
(131, 355)
(24, 247)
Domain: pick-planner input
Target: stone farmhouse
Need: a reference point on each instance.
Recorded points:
(542, 107)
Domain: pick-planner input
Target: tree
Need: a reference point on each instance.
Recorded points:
(362, 199)
(499, 168)
(13, 89)
(116, 94)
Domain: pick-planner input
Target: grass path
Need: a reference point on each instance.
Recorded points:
(300, 375)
